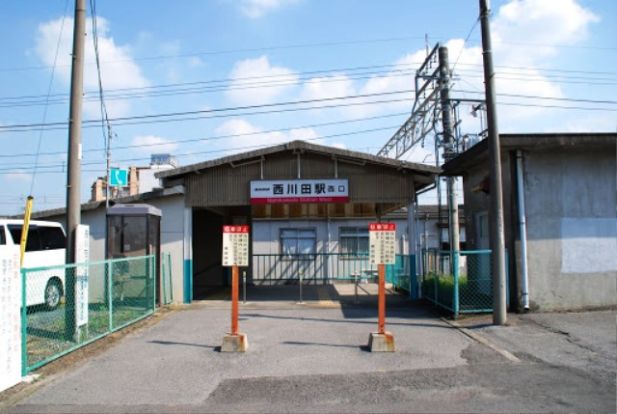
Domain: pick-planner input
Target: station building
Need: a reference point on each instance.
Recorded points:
(308, 207)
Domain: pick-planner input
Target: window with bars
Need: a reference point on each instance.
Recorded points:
(298, 242)
(353, 241)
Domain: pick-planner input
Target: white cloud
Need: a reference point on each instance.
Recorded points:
(395, 80)
(526, 34)
(249, 136)
(339, 145)
(255, 9)
(153, 144)
(327, 87)
(543, 24)
(195, 62)
(247, 76)
(118, 68)
(18, 177)
(518, 66)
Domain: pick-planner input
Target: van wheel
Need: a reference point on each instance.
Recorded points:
(53, 293)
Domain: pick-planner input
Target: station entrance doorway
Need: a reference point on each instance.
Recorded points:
(210, 279)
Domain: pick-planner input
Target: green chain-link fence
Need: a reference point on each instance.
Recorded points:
(167, 294)
(460, 282)
(106, 296)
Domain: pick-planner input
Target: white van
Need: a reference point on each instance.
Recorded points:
(46, 246)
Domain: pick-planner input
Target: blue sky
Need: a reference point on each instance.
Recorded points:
(189, 56)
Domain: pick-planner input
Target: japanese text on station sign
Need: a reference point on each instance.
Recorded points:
(299, 191)
(382, 243)
(236, 245)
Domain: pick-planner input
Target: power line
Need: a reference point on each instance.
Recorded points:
(297, 46)
(357, 132)
(291, 79)
(219, 137)
(243, 78)
(122, 120)
(218, 88)
(460, 53)
(240, 50)
(552, 98)
(49, 86)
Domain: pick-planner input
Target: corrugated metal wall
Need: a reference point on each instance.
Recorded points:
(228, 185)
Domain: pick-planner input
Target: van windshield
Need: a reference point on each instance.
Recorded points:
(39, 238)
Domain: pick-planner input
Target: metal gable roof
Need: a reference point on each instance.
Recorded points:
(301, 146)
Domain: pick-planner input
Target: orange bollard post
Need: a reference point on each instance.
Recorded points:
(382, 299)
(234, 299)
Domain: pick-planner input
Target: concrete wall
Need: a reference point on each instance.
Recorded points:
(570, 202)
(571, 228)
(172, 234)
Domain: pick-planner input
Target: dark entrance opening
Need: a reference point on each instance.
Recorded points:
(210, 279)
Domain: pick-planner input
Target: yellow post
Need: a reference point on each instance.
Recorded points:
(24, 230)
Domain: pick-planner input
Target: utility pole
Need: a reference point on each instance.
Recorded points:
(73, 207)
(496, 204)
(449, 152)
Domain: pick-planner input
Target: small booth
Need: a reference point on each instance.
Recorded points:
(134, 230)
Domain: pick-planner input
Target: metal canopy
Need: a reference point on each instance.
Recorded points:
(133, 210)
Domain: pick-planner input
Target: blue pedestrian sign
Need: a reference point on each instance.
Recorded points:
(118, 177)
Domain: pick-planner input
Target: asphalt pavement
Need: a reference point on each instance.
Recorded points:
(312, 357)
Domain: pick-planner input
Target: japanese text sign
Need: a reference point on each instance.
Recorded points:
(236, 245)
(299, 191)
(382, 242)
(10, 317)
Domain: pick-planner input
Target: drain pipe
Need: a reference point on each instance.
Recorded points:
(522, 225)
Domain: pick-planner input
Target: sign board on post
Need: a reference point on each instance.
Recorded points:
(82, 255)
(235, 253)
(382, 242)
(118, 177)
(10, 317)
(299, 191)
(236, 245)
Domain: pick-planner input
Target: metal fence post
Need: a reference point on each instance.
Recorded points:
(455, 291)
(164, 280)
(152, 278)
(356, 286)
(109, 267)
(301, 286)
(435, 276)
(244, 287)
(24, 326)
(171, 282)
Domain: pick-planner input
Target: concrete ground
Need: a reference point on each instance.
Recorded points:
(312, 357)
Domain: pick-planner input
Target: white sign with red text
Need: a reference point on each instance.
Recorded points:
(300, 191)
(382, 243)
(236, 245)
